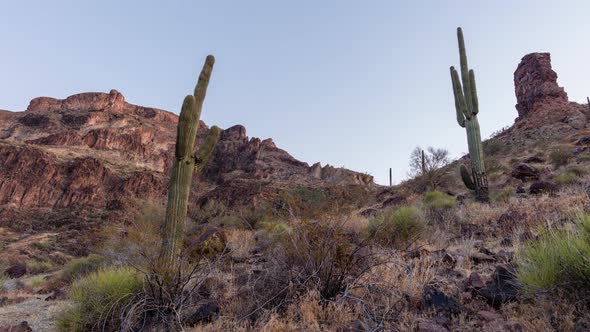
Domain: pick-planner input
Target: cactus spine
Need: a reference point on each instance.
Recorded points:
(467, 108)
(185, 164)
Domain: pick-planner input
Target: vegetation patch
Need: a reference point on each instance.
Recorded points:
(439, 200)
(560, 156)
(398, 228)
(558, 259)
(80, 267)
(100, 299)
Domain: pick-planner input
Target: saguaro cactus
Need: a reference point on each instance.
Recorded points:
(423, 163)
(390, 178)
(186, 163)
(467, 108)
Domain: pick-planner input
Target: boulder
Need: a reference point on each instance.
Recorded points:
(525, 172)
(502, 287)
(16, 270)
(434, 298)
(542, 187)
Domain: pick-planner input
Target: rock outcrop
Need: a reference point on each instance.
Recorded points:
(535, 83)
(96, 152)
(544, 111)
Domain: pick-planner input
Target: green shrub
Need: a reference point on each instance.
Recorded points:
(398, 228)
(83, 266)
(438, 200)
(100, 298)
(3, 280)
(36, 281)
(36, 267)
(558, 259)
(567, 178)
(560, 156)
(492, 147)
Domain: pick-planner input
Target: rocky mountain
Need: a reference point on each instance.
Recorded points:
(93, 155)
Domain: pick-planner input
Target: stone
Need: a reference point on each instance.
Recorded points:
(436, 299)
(489, 316)
(427, 325)
(358, 326)
(449, 260)
(505, 256)
(503, 286)
(534, 160)
(542, 187)
(506, 242)
(474, 281)
(203, 313)
(479, 258)
(16, 270)
(525, 172)
(22, 327)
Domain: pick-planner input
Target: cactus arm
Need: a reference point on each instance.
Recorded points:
(464, 69)
(460, 107)
(206, 150)
(203, 83)
(474, 101)
(466, 177)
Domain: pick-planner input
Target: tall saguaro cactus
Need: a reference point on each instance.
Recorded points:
(467, 108)
(186, 163)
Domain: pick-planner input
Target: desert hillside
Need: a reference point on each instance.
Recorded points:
(275, 244)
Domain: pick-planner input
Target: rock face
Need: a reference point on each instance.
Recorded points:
(96, 152)
(544, 111)
(535, 82)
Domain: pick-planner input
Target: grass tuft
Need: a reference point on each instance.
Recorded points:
(100, 298)
(558, 259)
(439, 200)
(398, 228)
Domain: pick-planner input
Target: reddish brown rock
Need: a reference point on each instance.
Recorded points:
(525, 172)
(95, 152)
(535, 83)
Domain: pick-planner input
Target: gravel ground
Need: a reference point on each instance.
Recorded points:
(40, 314)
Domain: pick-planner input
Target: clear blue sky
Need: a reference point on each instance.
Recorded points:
(350, 83)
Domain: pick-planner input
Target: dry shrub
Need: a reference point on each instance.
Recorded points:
(165, 297)
(240, 242)
(548, 313)
(560, 156)
(399, 228)
(321, 257)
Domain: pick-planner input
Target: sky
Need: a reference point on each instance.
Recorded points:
(349, 83)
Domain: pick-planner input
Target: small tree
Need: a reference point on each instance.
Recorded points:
(427, 165)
